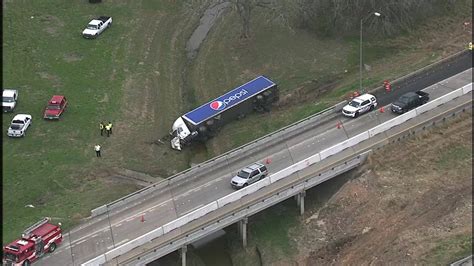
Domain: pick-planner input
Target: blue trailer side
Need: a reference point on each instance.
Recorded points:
(205, 121)
(229, 100)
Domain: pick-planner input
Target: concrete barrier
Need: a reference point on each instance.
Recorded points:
(95, 261)
(153, 234)
(99, 210)
(201, 211)
(313, 159)
(427, 106)
(467, 88)
(255, 186)
(404, 117)
(277, 176)
(229, 198)
(334, 149)
(175, 224)
(380, 128)
(359, 138)
(452, 95)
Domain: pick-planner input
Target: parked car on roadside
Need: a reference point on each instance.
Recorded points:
(409, 101)
(19, 125)
(9, 99)
(359, 105)
(96, 27)
(250, 174)
(55, 107)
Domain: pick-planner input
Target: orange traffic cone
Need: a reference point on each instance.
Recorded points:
(142, 219)
(382, 109)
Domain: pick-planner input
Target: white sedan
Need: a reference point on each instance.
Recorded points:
(19, 125)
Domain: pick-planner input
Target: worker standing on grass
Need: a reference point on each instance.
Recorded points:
(97, 150)
(102, 128)
(108, 128)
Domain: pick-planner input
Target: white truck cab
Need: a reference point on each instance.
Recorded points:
(9, 99)
(180, 131)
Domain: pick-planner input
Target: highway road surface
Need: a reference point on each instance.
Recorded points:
(120, 225)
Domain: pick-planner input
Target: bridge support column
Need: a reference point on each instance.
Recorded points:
(298, 199)
(184, 249)
(301, 196)
(243, 230)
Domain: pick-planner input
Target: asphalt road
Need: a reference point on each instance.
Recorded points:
(104, 232)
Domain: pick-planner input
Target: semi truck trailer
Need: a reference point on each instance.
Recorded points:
(203, 122)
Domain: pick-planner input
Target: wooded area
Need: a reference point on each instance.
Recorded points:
(327, 17)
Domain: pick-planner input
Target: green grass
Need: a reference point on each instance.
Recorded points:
(136, 74)
(449, 250)
(460, 156)
(53, 167)
(267, 231)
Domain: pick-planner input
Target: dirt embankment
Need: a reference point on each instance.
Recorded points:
(410, 204)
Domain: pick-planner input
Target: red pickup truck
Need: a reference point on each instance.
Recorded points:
(56, 107)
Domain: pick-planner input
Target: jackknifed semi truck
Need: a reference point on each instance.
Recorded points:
(204, 121)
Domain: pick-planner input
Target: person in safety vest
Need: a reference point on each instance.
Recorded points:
(107, 129)
(102, 128)
(110, 126)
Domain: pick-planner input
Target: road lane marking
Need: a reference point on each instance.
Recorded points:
(79, 242)
(127, 219)
(118, 244)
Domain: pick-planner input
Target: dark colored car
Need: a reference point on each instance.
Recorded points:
(56, 107)
(409, 101)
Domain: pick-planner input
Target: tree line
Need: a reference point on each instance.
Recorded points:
(328, 17)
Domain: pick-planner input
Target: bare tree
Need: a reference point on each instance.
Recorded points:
(244, 8)
(330, 16)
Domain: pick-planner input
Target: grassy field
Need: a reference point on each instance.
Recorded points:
(136, 75)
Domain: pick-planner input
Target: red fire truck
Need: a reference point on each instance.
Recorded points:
(35, 241)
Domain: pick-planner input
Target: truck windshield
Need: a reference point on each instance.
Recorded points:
(8, 99)
(11, 257)
(243, 174)
(53, 107)
(91, 27)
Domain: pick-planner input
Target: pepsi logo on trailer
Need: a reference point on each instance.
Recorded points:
(221, 105)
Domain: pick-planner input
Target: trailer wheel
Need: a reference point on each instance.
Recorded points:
(52, 248)
(202, 130)
(26, 263)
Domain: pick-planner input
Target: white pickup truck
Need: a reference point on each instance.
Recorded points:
(96, 27)
(9, 98)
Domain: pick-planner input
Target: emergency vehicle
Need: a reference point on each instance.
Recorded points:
(36, 240)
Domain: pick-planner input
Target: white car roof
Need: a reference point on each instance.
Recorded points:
(21, 117)
(364, 97)
(95, 22)
(8, 93)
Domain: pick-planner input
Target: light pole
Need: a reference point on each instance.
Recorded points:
(360, 52)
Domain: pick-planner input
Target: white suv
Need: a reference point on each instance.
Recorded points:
(249, 175)
(359, 105)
